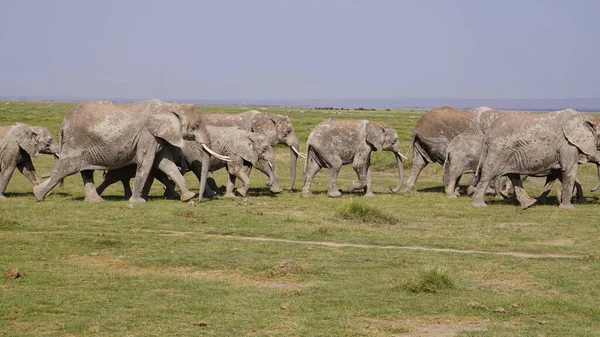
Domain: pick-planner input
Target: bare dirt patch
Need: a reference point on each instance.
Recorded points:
(425, 326)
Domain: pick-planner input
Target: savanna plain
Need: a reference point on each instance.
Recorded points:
(415, 264)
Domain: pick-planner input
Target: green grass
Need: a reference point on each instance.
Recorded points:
(290, 266)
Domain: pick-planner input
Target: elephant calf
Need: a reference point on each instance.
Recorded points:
(335, 142)
(18, 143)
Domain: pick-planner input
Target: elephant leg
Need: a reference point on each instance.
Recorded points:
(5, 176)
(89, 187)
(312, 167)
(362, 172)
(230, 185)
(524, 199)
(418, 164)
(262, 166)
(598, 172)
(332, 189)
(65, 166)
(550, 180)
(145, 162)
(244, 182)
(477, 199)
(170, 192)
(579, 192)
(170, 169)
(451, 179)
(211, 186)
(26, 168)
(569, 177)
(113, 176)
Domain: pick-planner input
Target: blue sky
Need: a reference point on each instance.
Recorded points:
(300, 49)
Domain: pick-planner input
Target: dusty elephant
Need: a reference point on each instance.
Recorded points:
(334, 143)
(536, 144)
(462, 156)
(277, 128)
(18, 144)
(106, 135)
(436, 129)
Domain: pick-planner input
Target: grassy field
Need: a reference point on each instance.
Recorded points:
(398, 264)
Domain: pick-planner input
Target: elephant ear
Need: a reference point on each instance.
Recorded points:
(375, 135)
(263, 123)
(245, 148)
(27, 139)
(167, 126)
(581, 133)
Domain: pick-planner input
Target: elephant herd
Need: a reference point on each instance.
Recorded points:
(153, 139)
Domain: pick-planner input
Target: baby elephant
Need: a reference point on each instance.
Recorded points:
(18, 143)
(335, 142)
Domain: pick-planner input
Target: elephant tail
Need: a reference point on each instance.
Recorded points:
(308, 156)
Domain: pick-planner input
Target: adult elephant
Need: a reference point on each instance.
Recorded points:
(436, 129)
(536, 144)
(277, 128)
(106, 135)
(335, 142)
(18, 144)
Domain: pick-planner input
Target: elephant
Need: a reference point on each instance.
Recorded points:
(462, 156)
(536, 144)
(18, 144)
(335, 142)
(245, 148)
(277, 128)
(436, 129)
(100, 135)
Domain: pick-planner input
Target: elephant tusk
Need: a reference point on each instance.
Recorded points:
(216, 155)
(403, 156)
(270, 165)
(298, 152)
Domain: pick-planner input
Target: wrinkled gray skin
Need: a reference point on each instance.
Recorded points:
(18, 144)
(245, 148)
(277, 128)
(436, 129)
(462, 157)
(536, 144)
(102, 135)
(335, 142)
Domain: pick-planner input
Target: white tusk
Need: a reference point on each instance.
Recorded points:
(216, 155)
(270, 165)
(403, 156)
(298, 152)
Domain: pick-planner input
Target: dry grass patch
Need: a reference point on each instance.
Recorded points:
(423, 326)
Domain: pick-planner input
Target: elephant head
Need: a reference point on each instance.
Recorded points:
(255, 147)
(279, 130)
(35, 139)
(384, 137)
(582, 132)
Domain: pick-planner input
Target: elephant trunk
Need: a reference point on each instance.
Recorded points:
(400, 172)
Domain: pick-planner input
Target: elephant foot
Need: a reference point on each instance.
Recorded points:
(136, 200)
(471, 190)
(186, 196)
(305, 194)
(334, 194)
(370, 195)
(566, 206)
(478, 204)
(354, 186)
(451, 195)
(528, 203)
(276, 189)
(499, 196)
(93, 198)
(37, 192)
(170, 195)
(408, 190)
(242, 192)
(209, 193)
(2, 197)
(229, 195)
